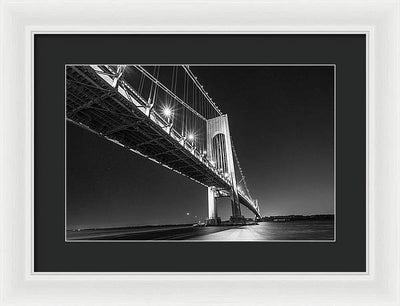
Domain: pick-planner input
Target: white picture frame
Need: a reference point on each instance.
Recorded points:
(379, 20)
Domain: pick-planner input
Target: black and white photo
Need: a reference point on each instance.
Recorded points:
(200, 152)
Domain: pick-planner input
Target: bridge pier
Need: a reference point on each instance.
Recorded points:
(237, 220)
(236, 217)
(213, 218)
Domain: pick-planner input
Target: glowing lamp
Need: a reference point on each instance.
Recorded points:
(167, 112)
(191, 136)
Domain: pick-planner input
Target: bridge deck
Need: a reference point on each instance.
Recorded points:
(97, 106)
(93, 103)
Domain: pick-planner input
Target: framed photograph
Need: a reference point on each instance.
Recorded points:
(152, 155)
(183, 157)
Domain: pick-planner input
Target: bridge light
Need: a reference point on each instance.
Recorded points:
(167, 111)
(191, 136)
(226, 174)
(204, 152)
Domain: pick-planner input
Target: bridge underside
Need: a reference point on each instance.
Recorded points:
(92, 103)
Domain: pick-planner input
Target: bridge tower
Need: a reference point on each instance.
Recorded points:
(219, 151)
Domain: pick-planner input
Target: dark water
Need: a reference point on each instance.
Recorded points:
(264, 231)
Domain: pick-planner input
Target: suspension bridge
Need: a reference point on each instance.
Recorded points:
(166, 115)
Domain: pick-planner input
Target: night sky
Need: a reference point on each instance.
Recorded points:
(282, 123)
